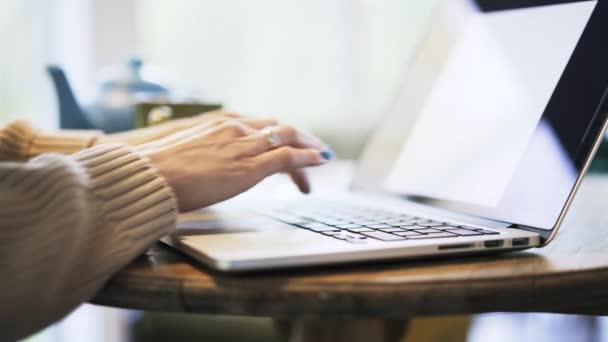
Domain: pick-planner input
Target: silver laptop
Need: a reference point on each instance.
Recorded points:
(499, 115)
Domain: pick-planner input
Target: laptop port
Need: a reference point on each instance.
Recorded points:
(520, 242)
(493, 243)
(457, 246)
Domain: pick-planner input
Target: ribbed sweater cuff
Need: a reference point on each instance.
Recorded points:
(65, 142)
(136, 201)
(19, 140)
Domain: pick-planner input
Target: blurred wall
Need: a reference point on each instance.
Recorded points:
(330, 66)
(23, 47)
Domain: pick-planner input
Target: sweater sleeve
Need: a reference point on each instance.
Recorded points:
(67, 223)
(19, 140)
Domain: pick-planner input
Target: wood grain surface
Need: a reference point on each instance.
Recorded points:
(570, 276)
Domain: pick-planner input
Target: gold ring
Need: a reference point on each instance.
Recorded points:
(273, 139)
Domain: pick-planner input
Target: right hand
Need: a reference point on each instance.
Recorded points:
(218, 160)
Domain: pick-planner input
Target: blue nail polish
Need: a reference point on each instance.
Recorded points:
(328, 154)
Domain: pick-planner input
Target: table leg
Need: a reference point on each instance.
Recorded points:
(341, 330)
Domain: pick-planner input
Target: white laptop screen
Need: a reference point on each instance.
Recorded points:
(478, 138)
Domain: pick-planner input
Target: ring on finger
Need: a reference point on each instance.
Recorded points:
(272, 137)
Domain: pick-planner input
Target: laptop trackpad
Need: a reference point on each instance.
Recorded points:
(208, 222)
(241, 237)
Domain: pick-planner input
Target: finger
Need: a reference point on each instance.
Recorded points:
(218, 119)
(220, 129)
(216, 114)
(300, 178)
(195, 130)
(259, 123)
(172, 138)
(206, 118)
(231, 115)
(231, 129)
(286, 159)
(227, 129)
(252, 123)
(288, 136)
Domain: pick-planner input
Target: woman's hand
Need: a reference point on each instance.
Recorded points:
(217, 160)
(144, 135)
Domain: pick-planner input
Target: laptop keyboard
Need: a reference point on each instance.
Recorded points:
(360, 225)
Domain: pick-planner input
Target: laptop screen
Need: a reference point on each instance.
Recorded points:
(495, 108)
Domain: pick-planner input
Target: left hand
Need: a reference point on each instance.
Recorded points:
(212, 162)
(145, 135)
(159, 135)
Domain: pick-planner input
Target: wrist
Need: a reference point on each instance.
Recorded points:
(155, 157)
(129, 185)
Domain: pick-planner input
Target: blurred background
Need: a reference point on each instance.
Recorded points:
(329, 66)
(318, 64)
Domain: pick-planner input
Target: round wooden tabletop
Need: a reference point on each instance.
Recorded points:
(570, 275)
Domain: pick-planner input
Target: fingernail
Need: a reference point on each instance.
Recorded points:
(328, 154)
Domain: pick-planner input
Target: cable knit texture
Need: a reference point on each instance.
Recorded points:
(68, 222)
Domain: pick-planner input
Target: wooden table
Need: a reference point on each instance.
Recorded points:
(372, 302)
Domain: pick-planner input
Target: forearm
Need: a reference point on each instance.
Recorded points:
(67, 224)
(144, 135)
(19, 140)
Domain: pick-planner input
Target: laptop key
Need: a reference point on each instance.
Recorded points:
(427, 231)
(445, 228)
(318, 227)
(392, 230)
(406, 221)
(332, 232)
(326, 229)
(415, 227)
(333, 222)
(355, 236)
(407, 233)
(487, 232)
(469, 227)
(360, 230)
(393, 222)
(350, 236)
(465, 232)
(379, 226)
(430, 224)
(432, 236)
(391, 219)
(313, 225)
(349, 226)
(384, 236)
(365, 222)
(289, 219)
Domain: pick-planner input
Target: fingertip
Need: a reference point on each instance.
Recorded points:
(327, 154)
(300, 178)
(315, 158)
(308, 157)
(304, 188)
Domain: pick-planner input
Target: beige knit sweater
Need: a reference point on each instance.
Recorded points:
(68, 221)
